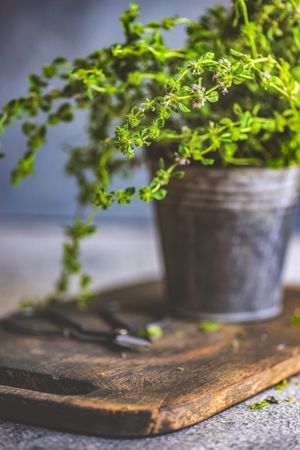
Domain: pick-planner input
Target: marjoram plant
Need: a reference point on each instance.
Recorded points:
(229, 96)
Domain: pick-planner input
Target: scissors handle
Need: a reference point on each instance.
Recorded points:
(120, 337)
(20, 322)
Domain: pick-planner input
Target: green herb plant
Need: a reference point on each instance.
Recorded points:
(259, 405)
(282, 385)
(295, 321)
(210, 327)
(228, 96)
(152, 331)
(271, 401)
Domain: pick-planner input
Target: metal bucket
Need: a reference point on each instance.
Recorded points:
(224, 235)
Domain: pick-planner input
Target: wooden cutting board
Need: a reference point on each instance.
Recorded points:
(86, 388)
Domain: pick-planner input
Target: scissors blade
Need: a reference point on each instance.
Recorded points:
(132, 342)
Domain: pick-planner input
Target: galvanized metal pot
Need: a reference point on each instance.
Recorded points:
(224, 236)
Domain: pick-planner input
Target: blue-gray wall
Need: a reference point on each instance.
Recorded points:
(32, 33)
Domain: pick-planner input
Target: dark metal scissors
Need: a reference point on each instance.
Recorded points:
(24, 322)
(109, 313)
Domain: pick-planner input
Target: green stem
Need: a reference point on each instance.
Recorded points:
(208, 150)
(214, 88)
(246, 20)
(183, 74)
(281, 91)
(184, 97)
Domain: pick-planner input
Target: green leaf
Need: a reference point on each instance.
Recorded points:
(290, 400)
(208, 55)
(237, 68)
(207, 161)
(237, 109)
(25, 167)
(53, 119)
(226, 121)
(246, 119)
(183, 107)
(59, 61)
(160, 194)
(152, 332)
(259, 405)
(296, 318)
(282, 385)
(179, 174)
(36, 82)
(49, 71)
(230, 149)
(210, 327)
(65, 112)
(28, 128)
(130, 190)
(146, 194)
(236, 53)
(161, 163)
(85, 281)
(212, 97)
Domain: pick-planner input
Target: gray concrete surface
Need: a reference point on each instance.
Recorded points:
(29, 257)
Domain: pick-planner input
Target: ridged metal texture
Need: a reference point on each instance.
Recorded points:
(224, 236)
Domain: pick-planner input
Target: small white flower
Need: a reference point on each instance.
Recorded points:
(198, 88)
(167, 101)
(225, 61)
(141, 109)
(225, 91)
(199, 96)
(184, 162)
(199, 104)
(266, 75)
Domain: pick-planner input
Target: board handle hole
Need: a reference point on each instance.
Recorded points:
(34, 381)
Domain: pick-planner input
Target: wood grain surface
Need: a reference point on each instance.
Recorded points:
(87, 388)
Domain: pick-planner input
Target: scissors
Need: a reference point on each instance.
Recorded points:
(121, 335)
(109, 313)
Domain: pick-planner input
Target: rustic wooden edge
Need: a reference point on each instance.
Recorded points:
(118, 420)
